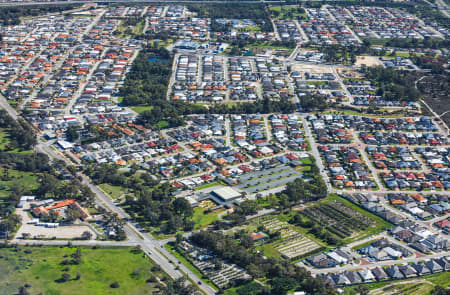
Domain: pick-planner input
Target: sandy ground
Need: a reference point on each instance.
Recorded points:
(62, 232)
(369, 61)
(313, 69)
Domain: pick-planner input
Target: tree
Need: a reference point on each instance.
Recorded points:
(77, 256)
(247, 241)
(72, 215)
(115, 285)
(183, 207)
(179, 238)
(282, 285)
(86, 235)
(47, 184)
(438, 290)
(217, 264)
(24, 291)
(72, 133)
(362, 290)
(65, 277)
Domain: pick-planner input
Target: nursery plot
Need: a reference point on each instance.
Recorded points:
(292, 244)
(338, 219)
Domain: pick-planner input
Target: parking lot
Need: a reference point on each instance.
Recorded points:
(41, 232)
(263, 180)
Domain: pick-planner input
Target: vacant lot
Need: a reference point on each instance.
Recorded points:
(41, 268)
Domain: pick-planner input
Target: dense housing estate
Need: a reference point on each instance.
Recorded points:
(282, 150)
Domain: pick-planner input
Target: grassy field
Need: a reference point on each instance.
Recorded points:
(4, 139)
(114, 191)
(287, 13)
(139, 28)
(375, 42)
(163, 124)
(202, 220)
(141, 109)
(41, 268)
(13, 178)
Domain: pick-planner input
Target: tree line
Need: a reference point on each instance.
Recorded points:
(426, 42)
(11, 15)
(22, 134)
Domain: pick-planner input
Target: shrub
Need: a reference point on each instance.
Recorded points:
(115, 285)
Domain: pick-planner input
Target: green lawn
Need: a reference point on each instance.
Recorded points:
(363, 245)
(202, 220)
(316, 82)
(141, 109)
(114, 191)
(211, 184)
(138, 29)
(4, 139)
(285, 11)
(162, 124)
(99, 268)
(376, 41)
(269, 251)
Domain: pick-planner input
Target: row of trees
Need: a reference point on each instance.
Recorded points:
(317, 230)
(22, 134)
(427, 42)
(11, 15)
(33, 162)
(174, 111)
(435, 64)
